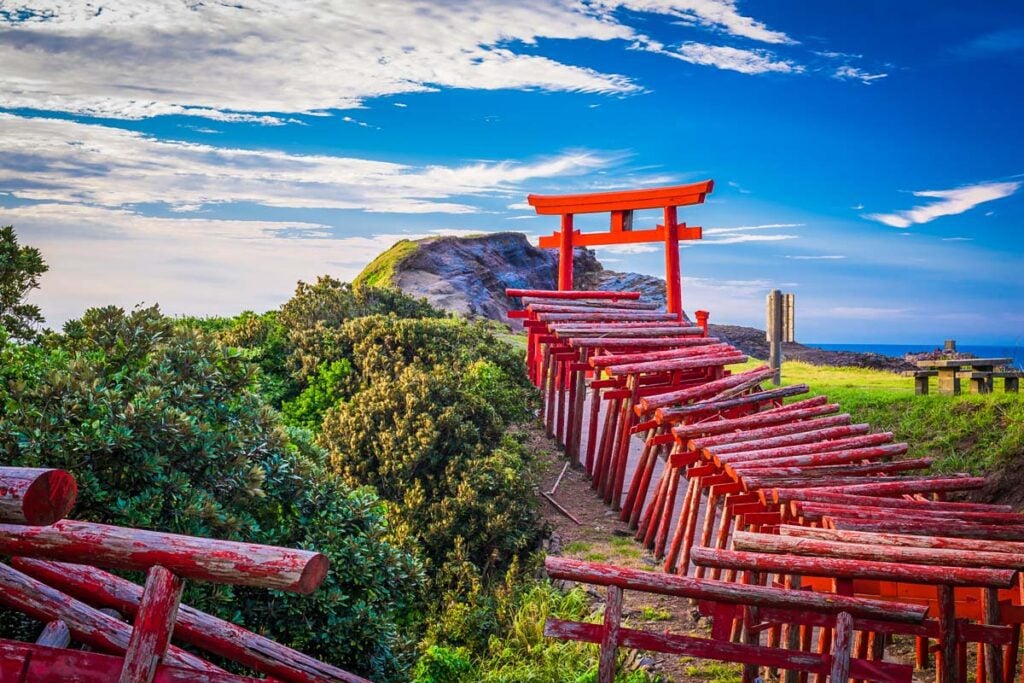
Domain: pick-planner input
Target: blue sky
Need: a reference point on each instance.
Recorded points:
(207, 155)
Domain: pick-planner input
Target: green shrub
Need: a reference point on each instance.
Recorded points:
(444, 665)
(328, 387)
(162, 429)
(20, 269)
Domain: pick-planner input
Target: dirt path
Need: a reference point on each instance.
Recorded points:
(603, 538)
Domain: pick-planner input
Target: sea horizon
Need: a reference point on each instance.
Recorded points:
(1008, 350)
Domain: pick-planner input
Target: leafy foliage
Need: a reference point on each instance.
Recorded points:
(162, 429)
(20, 268)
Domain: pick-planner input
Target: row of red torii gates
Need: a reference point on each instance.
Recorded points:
(809, 540)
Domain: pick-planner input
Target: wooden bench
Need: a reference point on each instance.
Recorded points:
(920, 379)
(982, 382)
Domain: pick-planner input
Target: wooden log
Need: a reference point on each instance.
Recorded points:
(29, 663)
(610, 636)
(816, 511)
(905, 485)
(635, 343)
(194, 627)
(755, 454)
(515, 292)
(854, 569)
(722, 591)
(36, 496)
(624, 316)
(948, 664)
(993, 656)
(794, 439)
(151, 632)
(792, 545)
(204, 559)
(842, 649)
(704, 390)
(27, 595)
(710, 360)
(901, 540)
(55, 634)
(761, 419)
(741, 653)
(668, 414)
(857, 468)
(946, 527)
(769, 432)
(668, 354)
(826, 458)
(817, 495)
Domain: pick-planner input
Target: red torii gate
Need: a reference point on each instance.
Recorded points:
(621, 205)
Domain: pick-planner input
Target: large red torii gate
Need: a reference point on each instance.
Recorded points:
(621, 205)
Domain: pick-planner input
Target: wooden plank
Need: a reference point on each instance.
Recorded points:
(842, 649)
(626, 200)
(610, 635)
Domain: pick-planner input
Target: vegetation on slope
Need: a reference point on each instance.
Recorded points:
(382, 270)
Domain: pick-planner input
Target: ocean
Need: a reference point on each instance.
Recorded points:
(1016, 352)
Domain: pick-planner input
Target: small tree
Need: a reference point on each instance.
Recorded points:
(20, 268)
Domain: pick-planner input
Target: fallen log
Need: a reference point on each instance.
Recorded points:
(796, 439)
(770, 432)
(906, 485)
(35, 496)
(669, 414)
(194, 627)
(902, 540)
(710, 360)
(513, 292)
(945, 527)
(784, 495)
(813, 511)
(752, 455)
(702, 391)
(205, 559)
(764, 418)
(827, 458)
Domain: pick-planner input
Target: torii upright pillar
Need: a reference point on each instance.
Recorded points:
(621, 205)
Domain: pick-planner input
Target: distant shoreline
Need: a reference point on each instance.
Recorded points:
(1015, 351)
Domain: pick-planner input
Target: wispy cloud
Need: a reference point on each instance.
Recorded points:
(957, 239)
(867, 312)
(629, 248)
(949, 203)
(747, 228)
(847, 72)
(754, 61)
(822, 257)
(720, 14)
(63, 161)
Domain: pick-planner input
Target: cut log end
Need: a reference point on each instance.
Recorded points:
(313, 574)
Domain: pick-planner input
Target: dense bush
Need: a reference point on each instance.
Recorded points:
(163, 430)
(20, 269)
(436, 449)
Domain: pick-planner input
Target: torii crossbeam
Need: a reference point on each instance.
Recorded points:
(621, 205)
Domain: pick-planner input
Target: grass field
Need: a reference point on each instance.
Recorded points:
(967, 432)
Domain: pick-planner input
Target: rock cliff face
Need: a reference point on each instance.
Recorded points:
(469, 275)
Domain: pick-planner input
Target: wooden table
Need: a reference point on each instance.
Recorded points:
(949, 381)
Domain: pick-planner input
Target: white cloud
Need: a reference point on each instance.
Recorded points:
(957, 239)
(739, 239)
(950, 203)
(55, 160)
(848, 73)
(822, 257)
(730, 58)
(747, 228)
(721, 14)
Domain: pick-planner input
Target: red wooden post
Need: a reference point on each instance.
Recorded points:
(206, 559)
(151, 633)
(842, 649)
(37, 496)
(673, 283)
(702, 319)
(947, 672)
(565, 253)
(610, 636)
(993, 655)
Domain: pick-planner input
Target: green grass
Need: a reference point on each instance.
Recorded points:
(967, 432)
(651, 614)
(718, 672)
(577, 547)
(381, 270)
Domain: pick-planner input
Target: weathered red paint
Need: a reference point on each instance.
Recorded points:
(194, 627)
(27, 663)
(27, 595)
(669, 414)
(854, 569)
(151, 632)
(514, 293)
(723, 591)
(36, 496)
(205, 559)
(762, 419)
